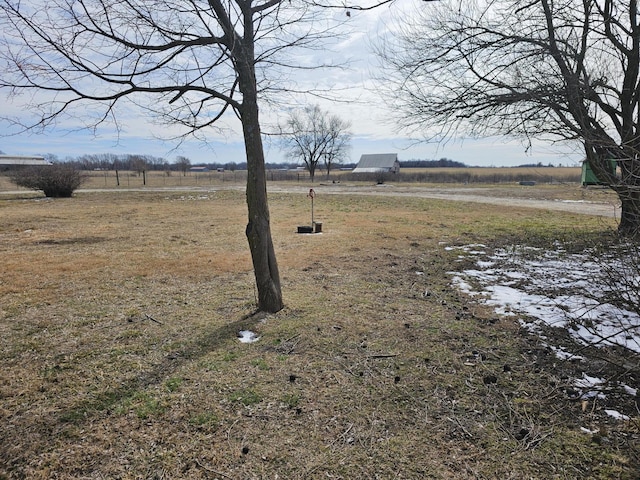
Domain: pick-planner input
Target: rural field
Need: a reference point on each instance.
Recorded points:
(108, 179)
(120, 316)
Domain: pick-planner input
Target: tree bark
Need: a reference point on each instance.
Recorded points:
(258, 229)
(630, 217)
(626, 184)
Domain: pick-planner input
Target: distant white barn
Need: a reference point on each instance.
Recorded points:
(13, 160)
(378, 163)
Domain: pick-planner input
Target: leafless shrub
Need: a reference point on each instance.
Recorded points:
(58, 180)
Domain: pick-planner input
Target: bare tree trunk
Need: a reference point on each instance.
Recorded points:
(630, 217)
(258, 229)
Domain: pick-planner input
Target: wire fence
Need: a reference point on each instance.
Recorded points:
(107, 179)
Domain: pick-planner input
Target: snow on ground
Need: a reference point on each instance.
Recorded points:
(247, 336)
(554, 288)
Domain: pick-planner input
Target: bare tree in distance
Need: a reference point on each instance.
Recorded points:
(183, 164)
(189, 63)
(562, 70)
(339, 143)
(140, 165)
(311, 135)
(104, 161)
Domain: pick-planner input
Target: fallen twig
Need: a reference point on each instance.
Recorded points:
(152, 319)
(457, 422)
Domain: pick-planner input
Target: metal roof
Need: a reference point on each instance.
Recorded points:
(22, 160)
(378, 160)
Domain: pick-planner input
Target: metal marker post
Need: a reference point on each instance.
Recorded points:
(311, 195)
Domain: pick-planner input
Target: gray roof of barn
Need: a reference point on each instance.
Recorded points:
(22, 160)
(377, 160)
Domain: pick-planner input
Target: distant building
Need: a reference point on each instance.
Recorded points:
(17, 160)
(378, 163)
(199, 169)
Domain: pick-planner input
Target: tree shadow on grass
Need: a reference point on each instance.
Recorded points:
(109, 399)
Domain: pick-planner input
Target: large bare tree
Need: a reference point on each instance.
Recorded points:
(558, 70)
(191, 63)
(311, 135)
(183, 164)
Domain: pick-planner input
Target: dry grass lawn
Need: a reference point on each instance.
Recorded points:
(119, 315)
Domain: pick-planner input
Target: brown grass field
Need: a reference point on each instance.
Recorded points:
(119, 315)
(158, 179)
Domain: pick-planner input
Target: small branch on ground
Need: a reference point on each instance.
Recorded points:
(152, 319)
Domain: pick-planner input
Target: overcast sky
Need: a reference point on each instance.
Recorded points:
(369, 117)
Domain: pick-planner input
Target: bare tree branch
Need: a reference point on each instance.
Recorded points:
(560, 71)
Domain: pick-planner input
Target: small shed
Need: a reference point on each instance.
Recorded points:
(589, 177)
(378, 163)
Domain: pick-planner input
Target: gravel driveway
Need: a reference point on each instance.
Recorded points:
(475, 195)
(507, 198)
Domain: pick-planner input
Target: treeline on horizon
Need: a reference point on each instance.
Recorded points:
(136, 162)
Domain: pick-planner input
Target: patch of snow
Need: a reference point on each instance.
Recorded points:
(554, 288)
(590, 385)
(563, 354)
(462, 285)
(247, 336)
(482, 264)
(615, 414)
(471, 249)
(589, 381)
(589, 432)
(549, 287)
